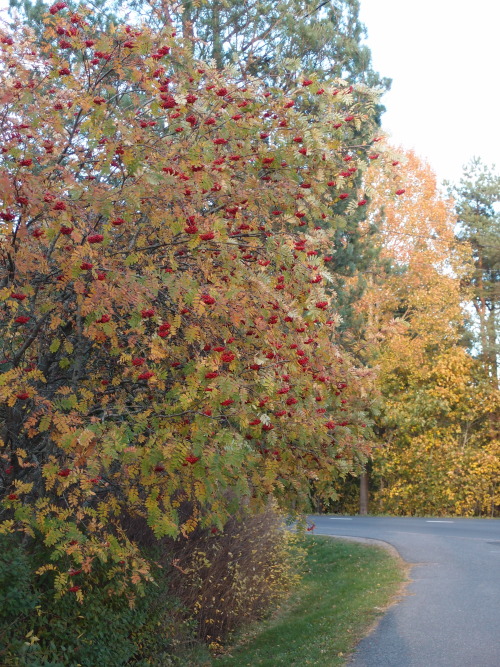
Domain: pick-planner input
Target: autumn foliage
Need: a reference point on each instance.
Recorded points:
(168, 336)
(439, 444)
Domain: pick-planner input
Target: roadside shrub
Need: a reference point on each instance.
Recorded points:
(205, 587)
(38, 629)
(236, 577)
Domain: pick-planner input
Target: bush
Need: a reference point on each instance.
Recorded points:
(38, 630)
(230, 579)
(205, 587)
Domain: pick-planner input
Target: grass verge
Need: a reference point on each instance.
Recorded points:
(345, 588)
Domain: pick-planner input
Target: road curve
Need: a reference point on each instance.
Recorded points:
(450, 616)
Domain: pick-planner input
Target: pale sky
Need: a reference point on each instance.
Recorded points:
(444, 59)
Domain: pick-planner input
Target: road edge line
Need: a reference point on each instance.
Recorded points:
(396, 598)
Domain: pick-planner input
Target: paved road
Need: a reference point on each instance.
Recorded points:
(451, 614)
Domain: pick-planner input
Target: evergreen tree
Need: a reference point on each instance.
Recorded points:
(287, 36)
(274, 39)
(477, 194)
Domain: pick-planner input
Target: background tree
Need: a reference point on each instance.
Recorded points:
(264, 39)
(477, 196)
(439, 449)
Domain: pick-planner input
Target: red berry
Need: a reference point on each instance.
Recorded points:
(209, 300)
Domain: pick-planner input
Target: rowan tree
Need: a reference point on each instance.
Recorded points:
(276, 41)
(169, 349)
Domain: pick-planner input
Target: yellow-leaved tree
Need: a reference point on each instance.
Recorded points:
(439, 450)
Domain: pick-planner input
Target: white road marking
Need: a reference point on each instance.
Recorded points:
(339, 518)
(436, 521)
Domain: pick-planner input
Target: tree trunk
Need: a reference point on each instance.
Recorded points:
(217, 40)
(493, 344)
(187, 22)
(363, 494)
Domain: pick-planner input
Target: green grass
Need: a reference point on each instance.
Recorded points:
(344, 590)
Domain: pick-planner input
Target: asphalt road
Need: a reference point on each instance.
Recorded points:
(450, 615)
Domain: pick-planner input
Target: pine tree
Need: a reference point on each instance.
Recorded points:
(476, 195)
(266, 37)
(274, 39)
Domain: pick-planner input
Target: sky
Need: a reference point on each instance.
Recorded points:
(444, 59)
